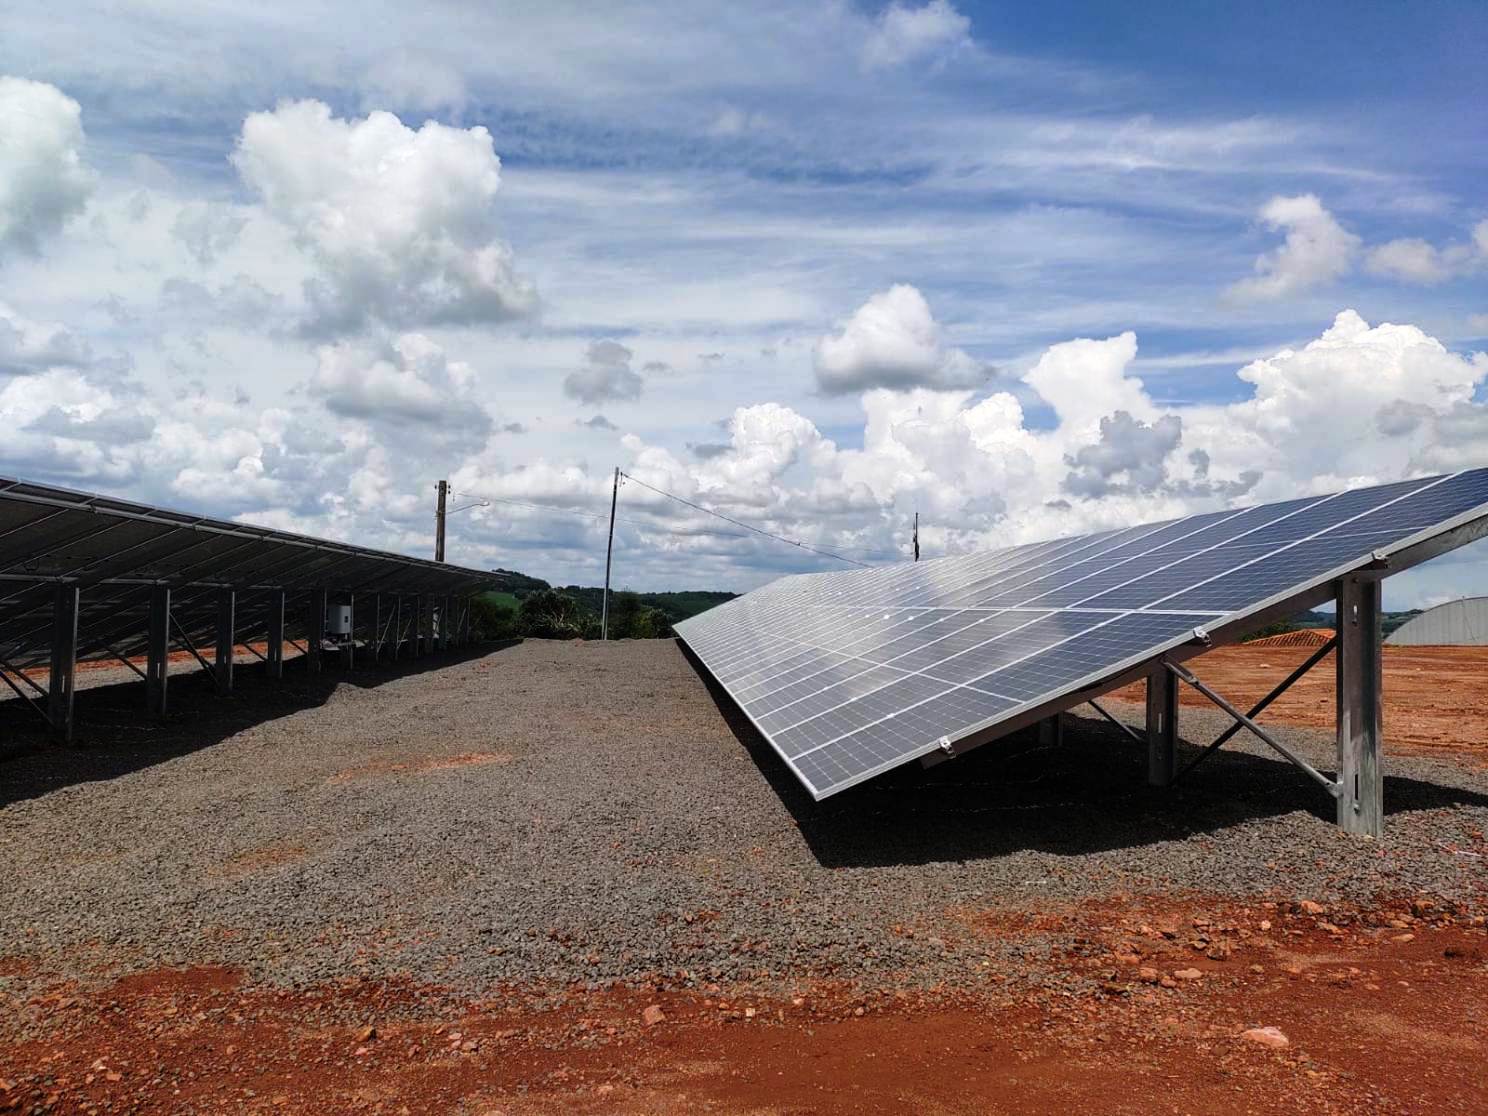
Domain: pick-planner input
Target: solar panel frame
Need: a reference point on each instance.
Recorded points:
(114, 550)
(1324, 515)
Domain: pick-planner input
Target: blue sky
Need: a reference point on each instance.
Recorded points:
(809, 263)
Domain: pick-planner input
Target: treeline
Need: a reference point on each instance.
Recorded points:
(526, 606)
(1389, 621)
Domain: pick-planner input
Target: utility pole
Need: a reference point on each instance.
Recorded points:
(917, 536)
(439, 522)
(604, 611)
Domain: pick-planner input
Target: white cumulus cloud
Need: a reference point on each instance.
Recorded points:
(605, 374)
(904, 34)
(1317, 250)
(409, 382)
(43, 179)
(892, 341)
(1419, 261)
(27, 346)
(400, 223)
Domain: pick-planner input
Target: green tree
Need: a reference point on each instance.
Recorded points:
(549, 614)
(491, 618)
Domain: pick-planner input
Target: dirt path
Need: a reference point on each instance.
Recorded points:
(1377, 1018)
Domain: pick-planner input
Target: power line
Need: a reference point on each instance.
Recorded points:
(746, 526)
(604, 518)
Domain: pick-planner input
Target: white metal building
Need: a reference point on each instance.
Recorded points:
(1461, 623)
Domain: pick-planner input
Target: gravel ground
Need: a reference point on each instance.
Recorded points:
(557, 812)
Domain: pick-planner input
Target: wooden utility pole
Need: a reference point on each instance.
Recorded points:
(917, 537)
(604, 609)
(439, 522)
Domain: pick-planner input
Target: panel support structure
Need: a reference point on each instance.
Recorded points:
(1162, 728)
(276, 633)
(315, 638)
(222, 662)
(1051, 731)
(64, 661)
(157, 660)
(351, 632)
(417, 647)
(1360, 685)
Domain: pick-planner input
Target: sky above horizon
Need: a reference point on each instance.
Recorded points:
(1027, 270)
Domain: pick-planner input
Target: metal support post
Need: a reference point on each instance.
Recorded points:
(157, 660)
(445, 620)
(1051, 731)
(420, 602)
(222, 664)
(64, 661)
(315, 639)
(604, 608)
(1162, 727)
(376, 626)
(276, 633)
(351, 632)
(1361, 807)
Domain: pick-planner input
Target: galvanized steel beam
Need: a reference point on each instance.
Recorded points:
(64, 661)
(157, 662)
(222, 669)
(1359, 688)
(1162, 728)
(276, 633)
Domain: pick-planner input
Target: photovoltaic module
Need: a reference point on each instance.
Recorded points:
(848, 674)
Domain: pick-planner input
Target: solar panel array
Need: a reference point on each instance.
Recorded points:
(116, 550)
(850, 673)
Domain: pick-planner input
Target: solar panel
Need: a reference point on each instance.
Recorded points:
(115, 551)
(850, 673)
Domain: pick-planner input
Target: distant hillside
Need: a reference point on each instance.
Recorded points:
(1389, 621)
(523, 605)
(519, 584)
(676, 606)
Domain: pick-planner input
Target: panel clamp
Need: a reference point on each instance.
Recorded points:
(1202, 636)
(946, 746)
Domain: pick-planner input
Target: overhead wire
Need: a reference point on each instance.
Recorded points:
(649, 526)
(605, 518)
(746, 526)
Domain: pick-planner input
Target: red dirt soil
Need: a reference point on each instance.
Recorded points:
(1382, 1014)
(1434, 696)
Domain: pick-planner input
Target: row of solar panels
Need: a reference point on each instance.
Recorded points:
(115, 551)
(849, 673)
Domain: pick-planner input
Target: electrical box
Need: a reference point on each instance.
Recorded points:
(338, 620)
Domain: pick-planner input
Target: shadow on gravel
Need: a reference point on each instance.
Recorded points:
(114, 736)
(1088, 795)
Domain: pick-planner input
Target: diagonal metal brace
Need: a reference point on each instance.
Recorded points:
(1122, 725)
(186, 641)
(127, 662)
(35, 705)
(5, 664)
(1260, 707)
(1317, 776)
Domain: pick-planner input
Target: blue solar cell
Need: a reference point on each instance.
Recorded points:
(851, 672)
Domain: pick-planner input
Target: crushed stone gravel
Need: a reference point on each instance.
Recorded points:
(553, 813)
